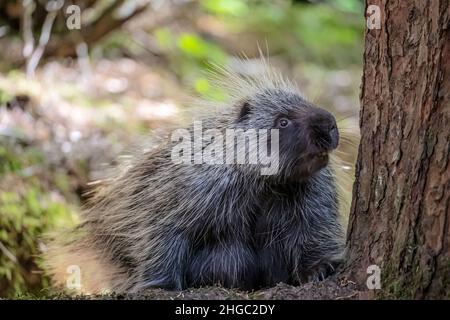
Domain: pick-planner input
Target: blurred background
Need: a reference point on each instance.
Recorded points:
(73, 99)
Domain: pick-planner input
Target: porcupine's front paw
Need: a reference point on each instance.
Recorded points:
(321, 272)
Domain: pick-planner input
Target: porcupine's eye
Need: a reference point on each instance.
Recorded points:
(283, 122)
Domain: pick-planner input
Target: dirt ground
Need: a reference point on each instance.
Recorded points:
(329, 289)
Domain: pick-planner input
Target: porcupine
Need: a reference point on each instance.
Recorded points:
(164, 224)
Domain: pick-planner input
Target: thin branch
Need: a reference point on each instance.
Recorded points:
(33, 61)
(27, 26)
(102, 26)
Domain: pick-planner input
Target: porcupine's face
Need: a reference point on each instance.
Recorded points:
(307, 134)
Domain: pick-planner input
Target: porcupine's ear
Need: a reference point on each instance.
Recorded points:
(243, 109)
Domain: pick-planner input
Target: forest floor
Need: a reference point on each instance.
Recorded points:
(329, 289)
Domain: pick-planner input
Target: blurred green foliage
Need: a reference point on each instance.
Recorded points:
(324, 33)
(189, 55)
(328, 34)
(27, 212)
(237, 8)
(4, 97)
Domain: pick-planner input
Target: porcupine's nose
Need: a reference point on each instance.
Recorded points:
(324, 130)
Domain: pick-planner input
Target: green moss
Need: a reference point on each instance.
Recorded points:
(27, 212)
(396, 285)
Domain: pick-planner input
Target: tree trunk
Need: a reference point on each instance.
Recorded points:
(400, 215)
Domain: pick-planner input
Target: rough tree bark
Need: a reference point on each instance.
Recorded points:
(400, 215)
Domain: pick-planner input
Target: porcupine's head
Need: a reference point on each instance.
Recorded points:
(307, 133)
